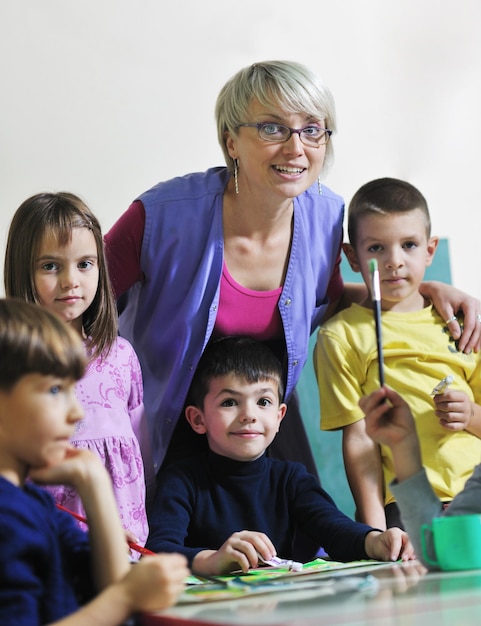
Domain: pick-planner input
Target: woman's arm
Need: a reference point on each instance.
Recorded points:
(352, 292)
(449, 301)
(123, 246)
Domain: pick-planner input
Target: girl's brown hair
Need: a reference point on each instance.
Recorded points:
(57, 214)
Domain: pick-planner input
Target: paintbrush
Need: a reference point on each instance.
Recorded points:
(80, 518)
(376, 302)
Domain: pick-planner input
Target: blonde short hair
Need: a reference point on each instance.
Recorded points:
(273, 83)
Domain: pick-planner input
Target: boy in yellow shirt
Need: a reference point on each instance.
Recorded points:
(389, 220)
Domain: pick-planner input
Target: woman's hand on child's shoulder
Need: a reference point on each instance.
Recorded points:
(390, 545)
(450, 302)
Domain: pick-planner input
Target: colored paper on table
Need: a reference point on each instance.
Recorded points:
(267, 580)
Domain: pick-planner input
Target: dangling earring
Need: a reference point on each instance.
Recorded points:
(319, 185)
(236, 181)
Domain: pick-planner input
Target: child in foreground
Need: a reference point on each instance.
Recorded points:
(55, 258)
(229, 505)
(391, 424)
(49, 566)
(388, 220)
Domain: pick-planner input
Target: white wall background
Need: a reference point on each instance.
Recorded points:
(107, 97)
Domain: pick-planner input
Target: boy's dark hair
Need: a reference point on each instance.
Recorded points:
(240, 356)
(35, 341)
(385, 196)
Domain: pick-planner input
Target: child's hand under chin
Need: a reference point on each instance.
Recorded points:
(75, 465)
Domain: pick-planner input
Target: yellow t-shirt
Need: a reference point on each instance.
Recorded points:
(418, 353)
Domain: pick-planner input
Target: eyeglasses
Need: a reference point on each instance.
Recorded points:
(309, 135)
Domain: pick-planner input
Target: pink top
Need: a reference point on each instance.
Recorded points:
(114, 428)
(236, 305)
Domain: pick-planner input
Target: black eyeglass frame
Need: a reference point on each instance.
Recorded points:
(298, 131)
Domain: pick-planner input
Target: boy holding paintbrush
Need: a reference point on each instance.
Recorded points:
(389, 222)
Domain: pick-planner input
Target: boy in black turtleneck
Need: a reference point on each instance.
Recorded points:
(225, 507)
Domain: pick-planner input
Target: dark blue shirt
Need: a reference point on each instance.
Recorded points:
(44, 564)
(202, 500)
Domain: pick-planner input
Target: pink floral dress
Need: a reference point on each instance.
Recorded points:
(114, 428)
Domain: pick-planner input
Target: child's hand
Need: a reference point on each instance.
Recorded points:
(390, 545)
(155, 582)
(240, 551)
(76, 467)
(130, 537)
(454, 409)
(387, 422)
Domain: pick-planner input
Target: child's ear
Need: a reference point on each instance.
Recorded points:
(351, 256)
(432, 246)
(195, 418)
(281, 414)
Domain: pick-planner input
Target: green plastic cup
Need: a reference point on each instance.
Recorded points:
(457, 542)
